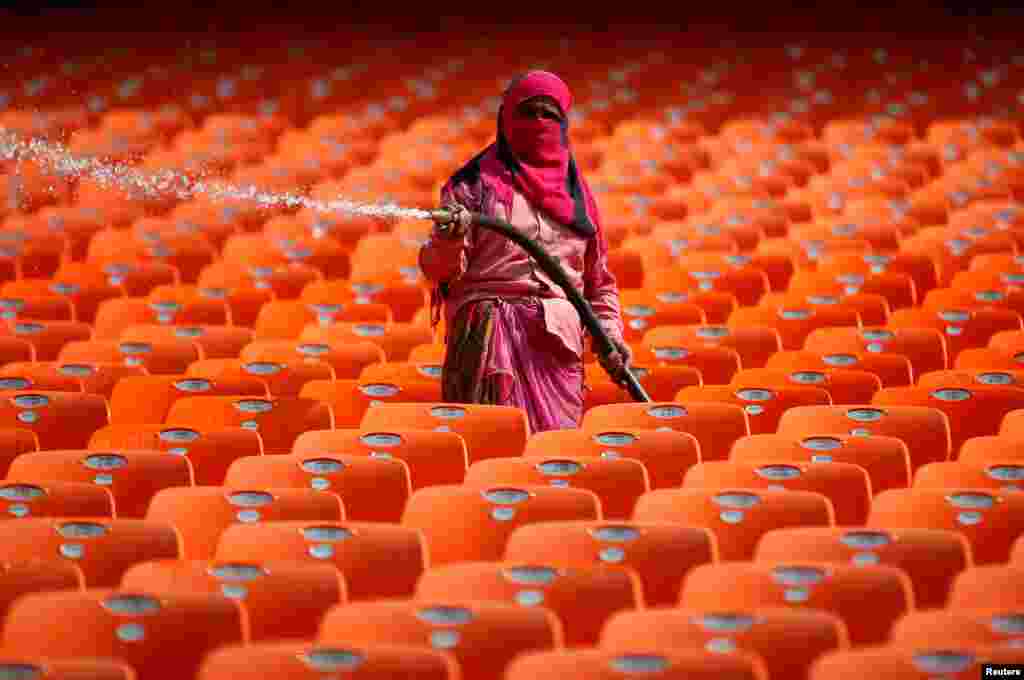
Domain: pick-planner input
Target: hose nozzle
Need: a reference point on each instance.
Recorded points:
(442, 216)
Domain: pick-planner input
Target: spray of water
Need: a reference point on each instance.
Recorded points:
(55, 158)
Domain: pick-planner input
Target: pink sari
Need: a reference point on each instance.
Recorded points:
(501, 352)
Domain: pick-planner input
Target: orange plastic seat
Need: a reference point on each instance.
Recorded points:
(347, 360)
(47, 339)
(961, 328)
(981, 450)
(488, 431)
(787, 640)
(162, 636)
(102, 548)
(988, 587)
(402, 299)
(847, 486)
(972, 412)
(378, 560)
(924, 347)
(13, 443)
(869, 599)
(202, 513)
(848, 274)
(53, 498)
(931, 558)
(396, 339)
(660, 553)
(971, 377)
(753, 344)
(661, 382)
(60, 420)
(662, 664)
(468, 523)
(763, 406)
(131, 477)
(665, 455)
(278, 421)
(643, 310)
(716, 365)
(920, 268)
(84, 289)
(616, 482)
(138, 278)
(165, 305)
(489, 635)
(995, 474)
(794, 323)
(871, 309)
(717, 306)
(371, 489)
(844, 386)
(921, 662)
(712, 272)
(286, 319)
(885, 460)
(737, 517)
(45, 668)
(215, 342)
(209, 452)
(35, 308)
(402, 372)
(973, 627)
(281, 379)
(893, 370)
(147, 399)
(281, 600)
(167, 357)
(351, 399)
(431, 458)
(582, 598)
(990, 520)
(923, 429)
(716, 426)
(51, 376)
(310, 660)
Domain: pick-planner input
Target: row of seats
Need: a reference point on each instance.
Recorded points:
(221, 432)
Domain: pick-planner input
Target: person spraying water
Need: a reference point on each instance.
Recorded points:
(515, 334)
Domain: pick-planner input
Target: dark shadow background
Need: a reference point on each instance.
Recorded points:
(24, 18)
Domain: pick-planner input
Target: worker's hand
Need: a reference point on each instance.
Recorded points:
(456, 224)
(617, 363)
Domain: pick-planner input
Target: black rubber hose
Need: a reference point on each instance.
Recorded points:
(602, 343)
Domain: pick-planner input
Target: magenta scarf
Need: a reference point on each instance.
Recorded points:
(533, 157)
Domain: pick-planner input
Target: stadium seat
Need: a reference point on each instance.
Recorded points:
(666, 455)
(483, 636)
(102, 548)
(160, 635)
(786, 640)
(663, 664)
(371, 489)
(280, 600)
(582, 598)
(201, 514)
(868, 599)
(660, 553)
(715, 426)
(359, 550)
(310, 660)
(931, 558)
(990, 520)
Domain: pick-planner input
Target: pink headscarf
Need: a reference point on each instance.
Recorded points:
(534, 157)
